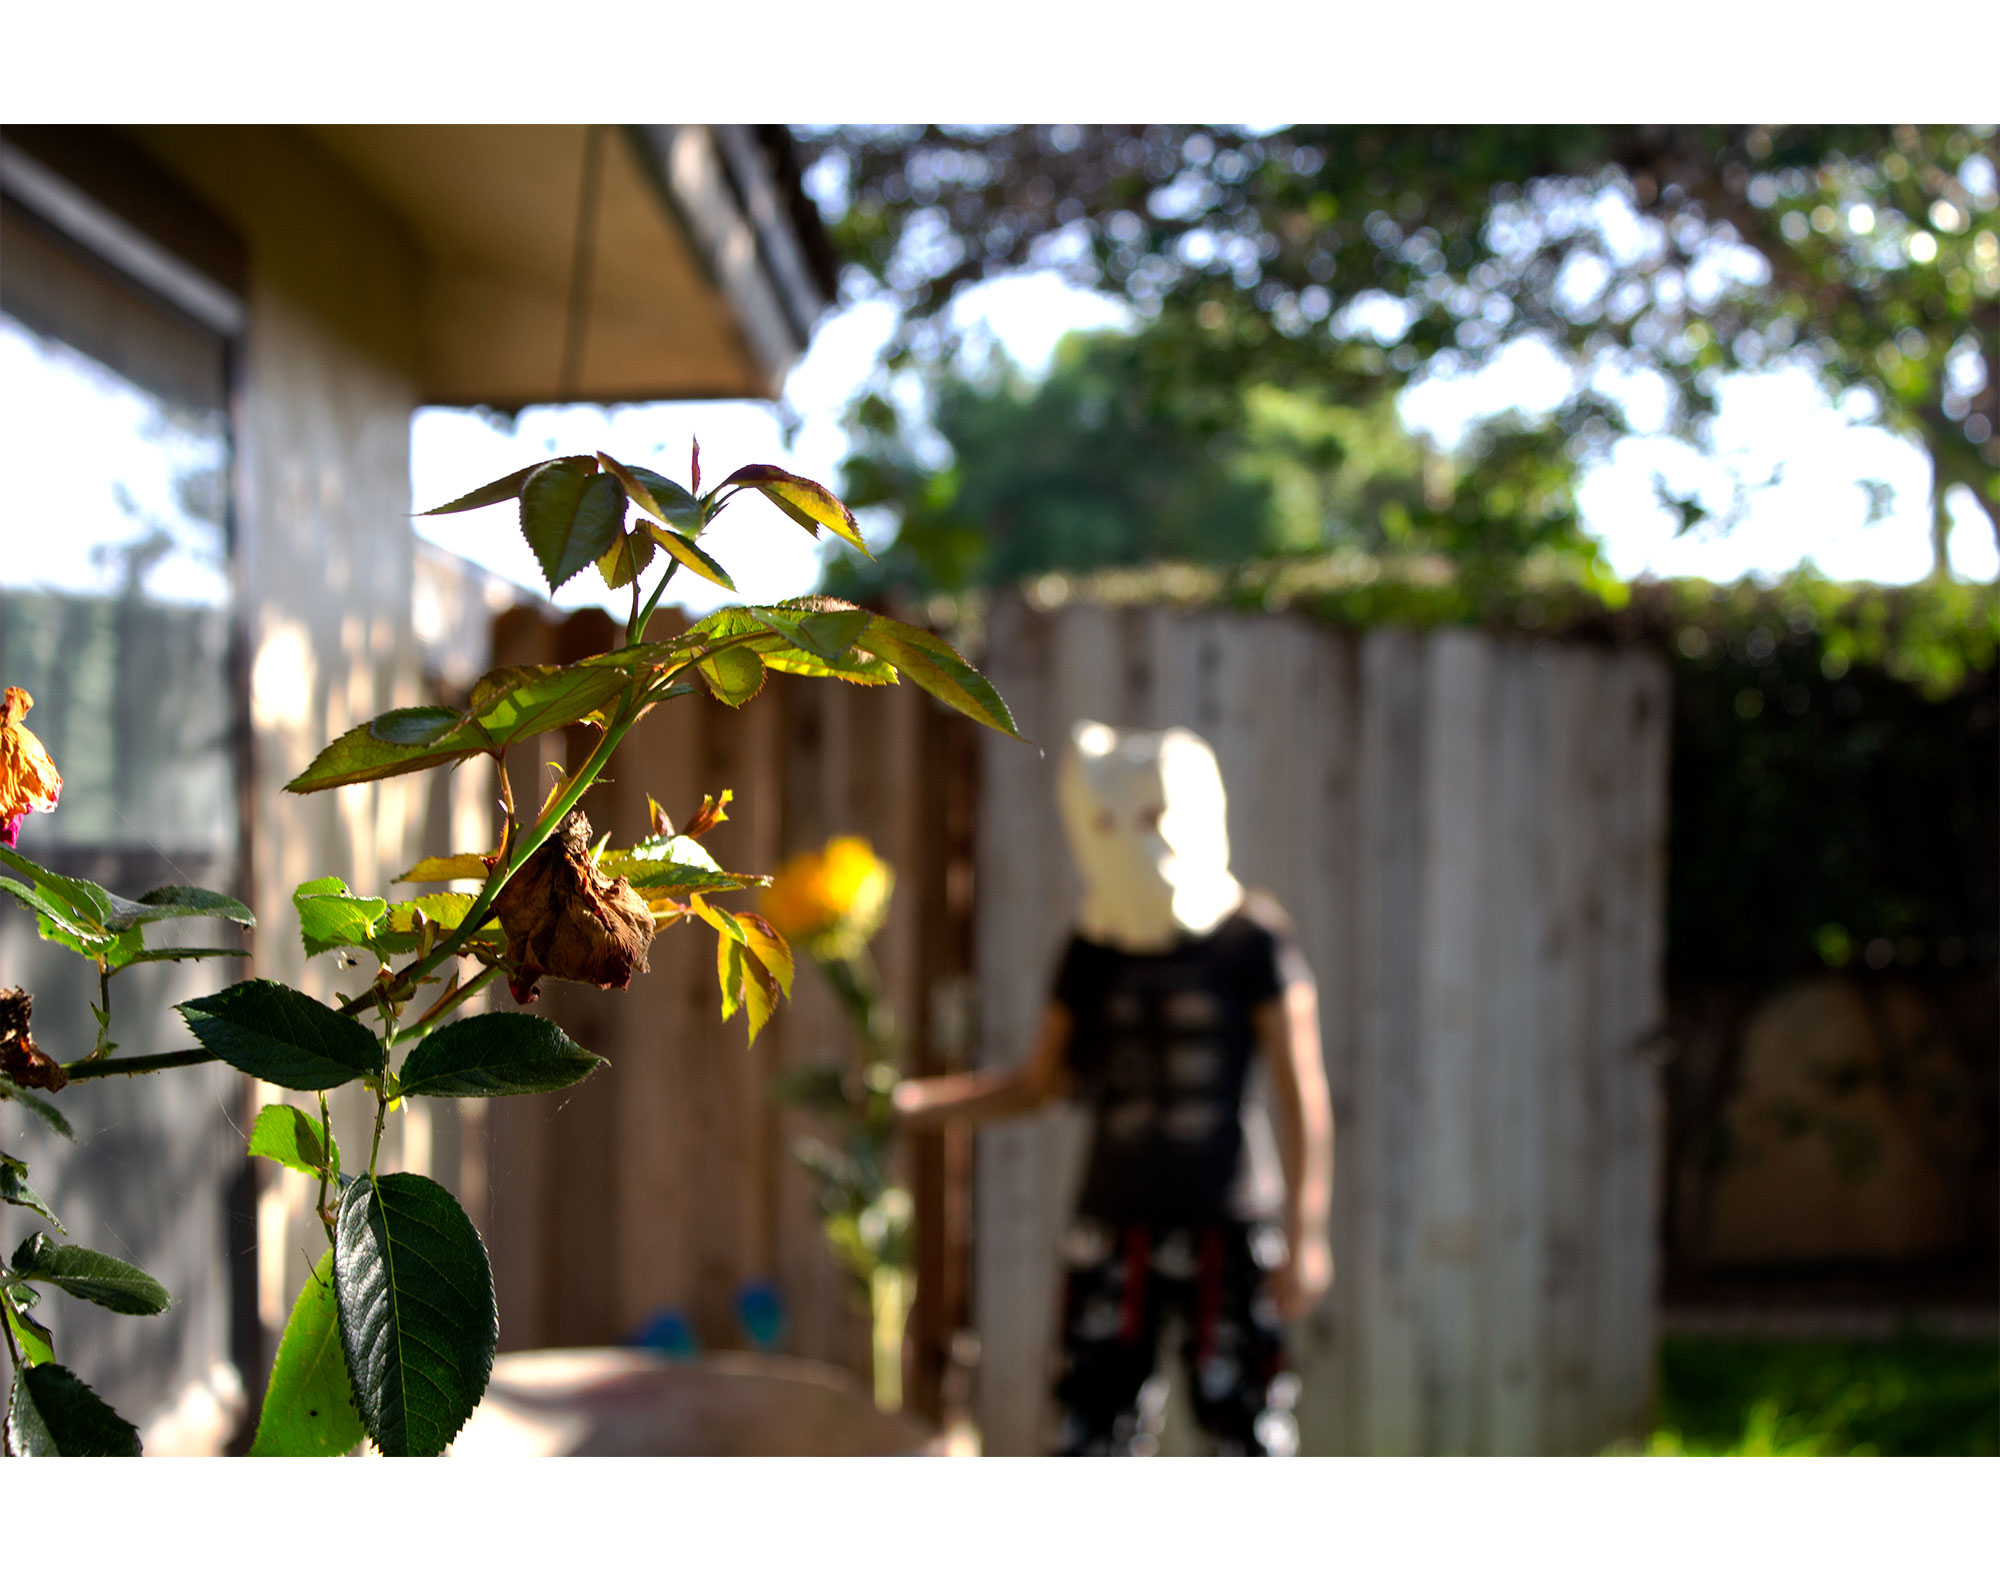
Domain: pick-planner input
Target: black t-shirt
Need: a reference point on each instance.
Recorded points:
(1160, 1050)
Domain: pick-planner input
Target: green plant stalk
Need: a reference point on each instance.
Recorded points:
(448, 1001)
(90, 1067)
(325, 1164)
(889, 1291)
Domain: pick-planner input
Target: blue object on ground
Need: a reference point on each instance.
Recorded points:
(761, 1311)
(669, 1331)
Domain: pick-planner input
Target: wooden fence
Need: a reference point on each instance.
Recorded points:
(1469, 835)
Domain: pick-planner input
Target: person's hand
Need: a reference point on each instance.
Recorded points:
(1303, 1277)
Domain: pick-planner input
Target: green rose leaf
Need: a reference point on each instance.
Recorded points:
(826, 634)
(418, 1324)
(289, 1136)
(516, 702)
(402, 741)
(38, 1345)
(39, 1107)
(92, 1276)
(621, 564)
(54, 1412)
(14, 1188)
(571, 513)
(282, 1036)
(673, 863)
(76, 907)
(494, 493)
(690, 554)
(810, 504)
(309, 1404)
(331, 917)
(734, 675)
(176, 900)
(935, 665)
(491, 1055)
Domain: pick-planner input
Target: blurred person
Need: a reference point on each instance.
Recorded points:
(1173, 979)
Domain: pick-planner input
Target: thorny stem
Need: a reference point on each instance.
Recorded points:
(135, 1065)
(381, 1121)
(447, 1000)
(325, 1163)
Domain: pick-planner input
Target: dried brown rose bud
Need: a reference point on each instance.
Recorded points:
(563, 919)
(20, 1061)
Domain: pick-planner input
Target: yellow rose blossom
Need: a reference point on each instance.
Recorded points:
(28, 779)
(832, 897)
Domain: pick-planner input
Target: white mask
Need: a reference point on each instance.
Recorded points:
(1146, 822)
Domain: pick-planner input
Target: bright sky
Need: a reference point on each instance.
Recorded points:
(1773, 430)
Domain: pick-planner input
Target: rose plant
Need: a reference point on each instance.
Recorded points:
(392, 1338)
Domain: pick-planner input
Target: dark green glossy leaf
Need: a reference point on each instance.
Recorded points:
(494, 493)
(175, 900)
(418, 1323)
(671, 502)
(492, 1055)
(289, 1136)
(935, 665)
(333, 918)
(734, 675)
(14, 1188)
(282, 1036)
(309, 1405)
(39, 1107)
(570, 514)
(810, 504)
(690, 554)
(54, 1412)
(92, 1276)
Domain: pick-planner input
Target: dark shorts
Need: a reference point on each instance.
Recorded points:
(1124, 1283)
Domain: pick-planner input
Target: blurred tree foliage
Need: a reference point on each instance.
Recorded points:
(1126, 455)
(1345, 261)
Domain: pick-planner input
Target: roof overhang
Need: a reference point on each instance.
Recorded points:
(595, 264)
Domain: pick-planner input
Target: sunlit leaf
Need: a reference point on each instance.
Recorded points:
(75, 905)
(289, 1136)
(621, 564)
(309, 1403)
(443, 869)
(690, 554)
(935, 665)
(810, 504)
(500, 489)
(769, 946)
(402, 741)
(333, 918)
(38, 1345)
(571, 513)
(724, 922)
(825, 634)
(734, 675)
(402, 930)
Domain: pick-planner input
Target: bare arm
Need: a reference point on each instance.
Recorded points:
(992, 1094)
(1288, 1031)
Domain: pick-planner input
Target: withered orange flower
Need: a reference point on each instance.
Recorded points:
(28, 779)
(562, 918)
(21, 1062)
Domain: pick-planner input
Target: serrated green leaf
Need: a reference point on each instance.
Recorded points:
(544, 697)
(826, 635)
(92, 1276)
(331, 917)
(14, 1188)
(724, 922)
(494, 493)
(810, 504)
(671, 502)
(38, 1345)
(39, 1107)
(770, 948)
(673, 862)
(309, 1404)
(936, 666)
(402, 741)
(175, 900)
(75, 905)
(571, 513)
(54, 1412)
(504, 1052)
(443, 869)
(289, 1136)
(621, 564)
(282, 1036)
(402, 930)
(734, 675)
(690, 554)
(418, 1323)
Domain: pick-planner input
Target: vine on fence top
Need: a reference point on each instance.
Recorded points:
(393, 1336)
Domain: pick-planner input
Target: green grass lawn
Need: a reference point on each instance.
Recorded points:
(1910, 1396)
